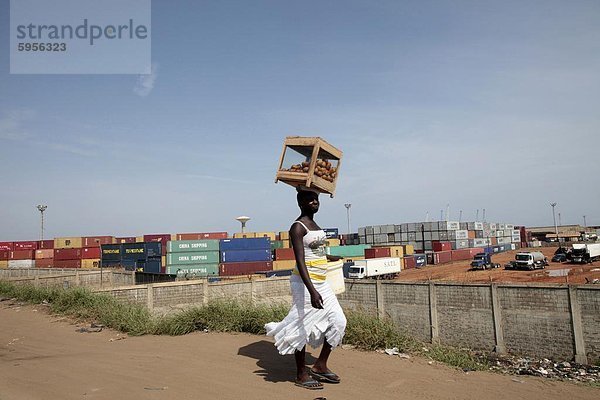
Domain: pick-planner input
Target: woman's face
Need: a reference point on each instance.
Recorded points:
(310, 202)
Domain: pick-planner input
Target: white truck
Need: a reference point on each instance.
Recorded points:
(375, 268)
(530, 260)
(585, 253)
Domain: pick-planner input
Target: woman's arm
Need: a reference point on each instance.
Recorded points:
(296, 236)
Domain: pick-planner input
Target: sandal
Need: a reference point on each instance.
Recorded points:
(328, 377)
(310, 384)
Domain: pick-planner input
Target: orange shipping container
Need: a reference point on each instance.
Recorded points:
(3, 264)
(42, 254)
(96, 241)
(90, 263)
(471, 234)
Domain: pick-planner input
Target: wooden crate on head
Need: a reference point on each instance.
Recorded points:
(309, 162)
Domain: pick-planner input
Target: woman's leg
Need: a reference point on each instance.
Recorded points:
(302, 376)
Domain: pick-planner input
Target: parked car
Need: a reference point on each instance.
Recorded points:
(559, 258)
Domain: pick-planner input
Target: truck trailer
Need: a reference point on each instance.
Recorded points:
(375, 268)
(585, 253)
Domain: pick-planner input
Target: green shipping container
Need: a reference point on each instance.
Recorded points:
(194, 269)
(355, 250)
(187, 246)
(277, 244)
(198, 257)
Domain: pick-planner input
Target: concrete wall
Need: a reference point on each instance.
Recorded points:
(552, 321)
(48, 277)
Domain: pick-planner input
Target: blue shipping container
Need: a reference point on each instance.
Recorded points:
(332, 233)
(245, 255)
(140, 251)
(263, 243)
(151, 265)
(110, 252)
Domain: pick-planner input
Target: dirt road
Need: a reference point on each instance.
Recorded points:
(45, 357)
(459, 271)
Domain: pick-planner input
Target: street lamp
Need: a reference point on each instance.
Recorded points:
(348, 205)
(243, 219)
(41, 209)
(555, 227)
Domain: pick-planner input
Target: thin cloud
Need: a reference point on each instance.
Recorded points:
(145, 83)
(11, 125)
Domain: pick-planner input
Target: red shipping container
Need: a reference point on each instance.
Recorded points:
(162, 238)
(4, 254)
(22, 255)
(441, 246)
(284, 254)
(462, 254)
(96, 241)
(377, 252)
(201, 236)
(442, 257)
(45, 244)
(67, 254)
(44, 263)
(6, 246)
(244, 268)
(409, 262)
(25, 245)
(90, 252)
(67, 263)
(46, 253)
(127, 239)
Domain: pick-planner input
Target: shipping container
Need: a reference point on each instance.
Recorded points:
(163, 238)
(25, 245)
(67, 243)
(183, 246)
(111, 252)
(409, 249)
(415, 261)
(67, 254)
(270, 235)
(6, 246)
(67, 263)
(244, 235)
(140, 251)
(193, 270)
(3, 264)
(277, 244)
(461, 234)
(21, 263)
(377, 252)
(88, 253)
(348, 251)
(441, 246)
(44, 263)
(201, 236)
(45, 244)
(244, 268)
(90, 263)
(245, 244)
(235, 256)
(333, 242)
(284, 235)
(126, 239)
(42, 254)
(284, 254)
(279, 265)
(96, 241)
(203, 257)
(22, 255)
(396, 251)
(333, 233)
(441, 257)
(4, 255)
(149, 265)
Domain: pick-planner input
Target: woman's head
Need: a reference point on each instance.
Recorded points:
(308, 201)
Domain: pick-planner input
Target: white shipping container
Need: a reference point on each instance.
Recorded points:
(21, 263)
(504, 240)
(462, 234)
(509, 226)
(493, 226)
(508, 232)
(500, 233)
(516, 239)
(374, 267)
(501, 226)
(448, 225)
(362, 231)
(460, 244)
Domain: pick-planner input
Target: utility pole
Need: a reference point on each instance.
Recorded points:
(460, 216)
(555, 227)
(559, 222)
(584, 223)
(348, 205)
(483, 215)
(41, 209)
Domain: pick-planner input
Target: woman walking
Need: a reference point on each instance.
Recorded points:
(316, 317)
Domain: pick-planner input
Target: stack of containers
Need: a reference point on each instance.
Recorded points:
(90, 254)
(284, 259)
(5, 249)
(199, 257)
(45, 244)
(22, 255)
(163, 238)
(67, 257)
(143, 257)
(355, 252)
(201, 236)
(125, 239)
(245, 256)
(284, 237)
(110, 255)
(349, 239)
(44, 258)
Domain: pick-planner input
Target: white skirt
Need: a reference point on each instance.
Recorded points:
(307, 325)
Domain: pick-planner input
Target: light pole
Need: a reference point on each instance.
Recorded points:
(243, 219)
(584, 223)
(559, 222)
(555, 227)
(348, 205)
(41, 209)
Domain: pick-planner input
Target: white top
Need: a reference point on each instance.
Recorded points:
(314, 244)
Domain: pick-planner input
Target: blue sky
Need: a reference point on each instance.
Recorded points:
(476, 104)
